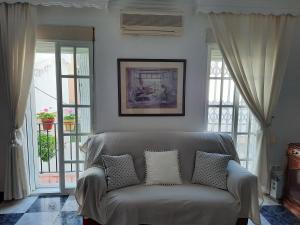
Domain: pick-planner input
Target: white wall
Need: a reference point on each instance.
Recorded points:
(286, 123)
(110, 45)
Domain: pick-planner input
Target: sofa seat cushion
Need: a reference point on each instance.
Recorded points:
(176, 205)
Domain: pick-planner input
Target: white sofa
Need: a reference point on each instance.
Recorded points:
(177, 205)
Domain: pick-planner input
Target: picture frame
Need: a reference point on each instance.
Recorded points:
(151, 87)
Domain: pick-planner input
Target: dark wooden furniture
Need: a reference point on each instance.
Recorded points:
(1, 196)
(241, 221)
(291, 199)
(89, 222)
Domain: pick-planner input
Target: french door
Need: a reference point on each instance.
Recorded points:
(74, 65)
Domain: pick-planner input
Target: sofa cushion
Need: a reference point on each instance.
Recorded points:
(119, 171)
(162, 168)
(172, 204)
(211, 169)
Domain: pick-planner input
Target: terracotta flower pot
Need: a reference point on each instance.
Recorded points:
(47, 124)
(69, 125)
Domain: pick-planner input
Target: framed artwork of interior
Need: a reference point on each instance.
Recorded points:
(151, 87)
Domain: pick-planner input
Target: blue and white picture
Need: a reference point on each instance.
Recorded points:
(151, 87)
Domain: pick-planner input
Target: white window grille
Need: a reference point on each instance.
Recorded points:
(227, 111)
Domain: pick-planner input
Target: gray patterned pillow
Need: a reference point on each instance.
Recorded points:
(119, 171)
(211, 169)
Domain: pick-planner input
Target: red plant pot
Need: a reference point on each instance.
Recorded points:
(47, 124)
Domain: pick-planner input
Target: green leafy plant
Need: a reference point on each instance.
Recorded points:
(46, 115)
(70, 117)
(46, 146)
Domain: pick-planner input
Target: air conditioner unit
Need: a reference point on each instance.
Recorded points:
(147, 23)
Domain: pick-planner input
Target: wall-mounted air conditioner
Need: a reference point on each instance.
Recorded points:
(148, 23)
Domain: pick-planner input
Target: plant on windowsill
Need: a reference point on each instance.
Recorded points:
(46, 146)
(69, 121)
(47, 119)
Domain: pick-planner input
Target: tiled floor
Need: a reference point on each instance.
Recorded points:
(52, 210)
(267, 201)
(43, 210)
(279, 215)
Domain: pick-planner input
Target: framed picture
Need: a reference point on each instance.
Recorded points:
(151, 87)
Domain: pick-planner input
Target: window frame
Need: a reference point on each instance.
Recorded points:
(59, 44)
(235, 107)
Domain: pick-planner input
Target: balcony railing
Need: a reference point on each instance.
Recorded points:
(48, 150)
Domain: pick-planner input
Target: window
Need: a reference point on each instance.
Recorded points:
(227, 111)
(75, 106)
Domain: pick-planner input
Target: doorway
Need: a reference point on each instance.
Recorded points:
(61, 111)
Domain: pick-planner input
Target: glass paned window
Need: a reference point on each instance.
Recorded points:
(226, 119)
(83, 61)
(227, 110)
(67, 61)
(213, 118)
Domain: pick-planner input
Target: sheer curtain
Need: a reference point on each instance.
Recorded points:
(17, 43)
(255, 49)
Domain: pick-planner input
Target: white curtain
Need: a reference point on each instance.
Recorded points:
(17, 44)
(255, 48)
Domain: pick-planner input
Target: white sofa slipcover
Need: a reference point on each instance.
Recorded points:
(177, 205)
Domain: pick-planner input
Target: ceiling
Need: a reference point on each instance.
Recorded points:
(275, 7)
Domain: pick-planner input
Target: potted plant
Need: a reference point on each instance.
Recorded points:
(69, 121)
(46, 146)
(47, 119)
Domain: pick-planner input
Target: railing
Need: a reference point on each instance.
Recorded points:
(47, 143)
(48, 149)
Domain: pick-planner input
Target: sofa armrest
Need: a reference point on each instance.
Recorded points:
(91, 187)
(243, 186)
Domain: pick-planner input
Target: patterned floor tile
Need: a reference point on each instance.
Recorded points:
(68, 218)
(48, 204)
(71, 204)
(38, 218)
(10, 219)
(17, 206)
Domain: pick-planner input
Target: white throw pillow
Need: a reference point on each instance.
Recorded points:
(162, 168)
